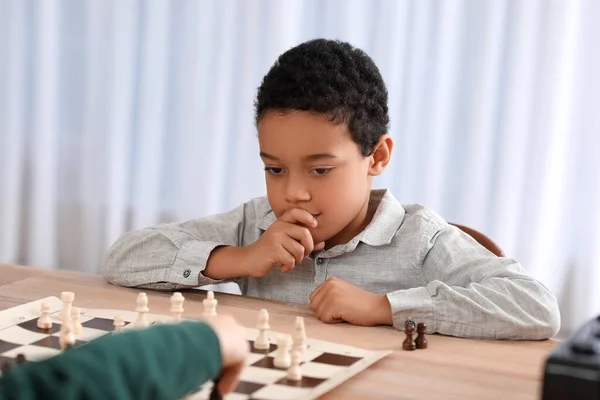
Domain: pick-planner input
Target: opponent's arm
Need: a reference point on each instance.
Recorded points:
(162, 362)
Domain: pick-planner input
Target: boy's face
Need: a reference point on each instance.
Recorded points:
(313, 164)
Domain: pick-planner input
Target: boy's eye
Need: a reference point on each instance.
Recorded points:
(274, 170)
(321, 171)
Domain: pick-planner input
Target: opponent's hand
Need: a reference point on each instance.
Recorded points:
(234, 350)
(285, 244)
(336, 300)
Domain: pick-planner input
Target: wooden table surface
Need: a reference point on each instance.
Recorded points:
(451, 368)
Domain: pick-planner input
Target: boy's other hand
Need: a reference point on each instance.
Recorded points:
(336, 300)
(234, 350)
(286, 243)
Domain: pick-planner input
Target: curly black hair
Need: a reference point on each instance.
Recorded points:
(333, 78)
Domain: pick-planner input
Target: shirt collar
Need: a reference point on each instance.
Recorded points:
(387, 218)
(381, 230)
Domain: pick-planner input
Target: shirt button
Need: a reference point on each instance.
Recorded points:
(187, 273)
(319, 261)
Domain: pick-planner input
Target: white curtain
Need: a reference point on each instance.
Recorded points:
(120, 114)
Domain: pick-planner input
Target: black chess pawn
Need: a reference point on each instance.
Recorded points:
(409, 321)
(21, 358)
(409, 343)
(421, 340)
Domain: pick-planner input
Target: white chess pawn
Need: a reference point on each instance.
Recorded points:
(44, 321)
(119, 323)
(177, 300)
(142, 309)
(262, 341)
(210, 304)
(299, 336)
(75, 323)
(294, 373)
(67, 300)
(67, 337)
(282, 357)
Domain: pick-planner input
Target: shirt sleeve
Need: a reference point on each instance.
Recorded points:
(162, 362)
(469, 292)
(172, 256)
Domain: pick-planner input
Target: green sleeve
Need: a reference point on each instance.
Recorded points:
(162, 362)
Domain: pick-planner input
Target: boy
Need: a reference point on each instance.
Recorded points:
(322, 236)
(162, 362)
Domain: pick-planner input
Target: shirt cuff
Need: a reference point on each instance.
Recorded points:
(191, 260)
(415, 303)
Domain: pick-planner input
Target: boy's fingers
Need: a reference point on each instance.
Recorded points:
(302, 235)
(294, 248)
(297, 215)
(316, 294)
(287, 261)
(319, 246)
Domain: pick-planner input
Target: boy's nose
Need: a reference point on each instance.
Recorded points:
(296, 192)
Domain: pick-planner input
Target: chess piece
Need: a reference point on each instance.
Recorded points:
(142, 309)
(421, 340)
(411, 322)
(262, 342)
(299, 336)
(119, 323)
(67, 300)
(210, 304)
(409, 343)
(177, 300)
(75, 323)
(294, 373)
(67, 337)
(21, 358)
(44, 321)
(282, 357)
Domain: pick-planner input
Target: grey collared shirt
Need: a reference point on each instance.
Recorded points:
(429, 270)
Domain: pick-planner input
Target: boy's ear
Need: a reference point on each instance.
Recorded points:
(382, 154)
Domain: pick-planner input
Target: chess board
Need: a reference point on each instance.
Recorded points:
(324, 365)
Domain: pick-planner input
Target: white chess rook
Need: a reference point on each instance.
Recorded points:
(44, 321)
(282, 357)
(67, 299)
(142, 309)
(210, 304)
(262, 341)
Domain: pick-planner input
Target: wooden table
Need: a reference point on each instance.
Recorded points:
(451, 368)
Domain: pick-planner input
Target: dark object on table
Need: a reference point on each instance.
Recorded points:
(421, 340)
(409, 343)
(572, 371)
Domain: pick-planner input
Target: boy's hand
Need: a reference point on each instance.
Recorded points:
(234, 350)
(336, 300)
(286, 243)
